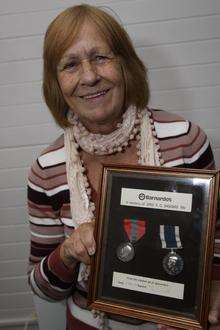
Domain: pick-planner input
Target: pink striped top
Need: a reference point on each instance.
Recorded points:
(182, 144)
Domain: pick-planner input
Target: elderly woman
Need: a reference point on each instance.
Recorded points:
(96, 88)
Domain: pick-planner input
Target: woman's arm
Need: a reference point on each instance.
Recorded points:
(49, 277)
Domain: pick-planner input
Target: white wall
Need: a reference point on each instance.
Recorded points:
(180, 43)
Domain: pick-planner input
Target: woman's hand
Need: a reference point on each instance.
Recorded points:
(214, 313)
(79, 246)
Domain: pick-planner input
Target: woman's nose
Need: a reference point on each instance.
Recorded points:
(88, 74)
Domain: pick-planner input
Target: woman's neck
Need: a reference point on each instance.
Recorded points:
(103, 129)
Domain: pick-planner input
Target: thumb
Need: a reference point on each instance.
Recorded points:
(213, 316)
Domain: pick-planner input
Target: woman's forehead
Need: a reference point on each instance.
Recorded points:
(88, 40)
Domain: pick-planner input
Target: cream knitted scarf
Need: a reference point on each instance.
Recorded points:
(82, 208)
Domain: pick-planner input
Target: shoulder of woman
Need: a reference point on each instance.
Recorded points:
(164, 116)
(50, 157)
(55, 145)
(181, 141)
(169, 124)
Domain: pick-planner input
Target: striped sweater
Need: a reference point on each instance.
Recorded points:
(182, 144)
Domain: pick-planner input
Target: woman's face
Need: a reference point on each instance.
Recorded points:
(91, 80)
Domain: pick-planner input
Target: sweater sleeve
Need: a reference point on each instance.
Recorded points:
(49, 278)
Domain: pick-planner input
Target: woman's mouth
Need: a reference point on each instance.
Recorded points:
(95, 95)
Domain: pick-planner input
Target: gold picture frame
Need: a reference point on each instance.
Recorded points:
(150, 217)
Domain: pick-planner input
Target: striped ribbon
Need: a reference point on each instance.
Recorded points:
(134, 228)
(170, 237)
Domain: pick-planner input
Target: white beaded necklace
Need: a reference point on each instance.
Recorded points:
(135, 124)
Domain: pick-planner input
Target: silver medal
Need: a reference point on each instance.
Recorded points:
(173, 263)
(125, 252)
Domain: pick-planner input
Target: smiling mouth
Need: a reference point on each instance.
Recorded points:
(95, 95)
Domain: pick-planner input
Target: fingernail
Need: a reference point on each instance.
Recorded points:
(91, 251)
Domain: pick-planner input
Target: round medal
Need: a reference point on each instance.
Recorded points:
(173, 263)
(125, 252)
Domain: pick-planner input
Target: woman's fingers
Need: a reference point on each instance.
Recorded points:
(214, 316)
(87, 237)
(80, 251)
(214, 312)
(79, 246)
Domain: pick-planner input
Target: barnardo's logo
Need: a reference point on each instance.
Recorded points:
(143, 196)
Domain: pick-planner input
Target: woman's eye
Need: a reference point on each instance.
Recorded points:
(101, 58)
(70, 66)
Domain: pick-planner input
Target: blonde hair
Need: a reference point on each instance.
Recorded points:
(61, 34)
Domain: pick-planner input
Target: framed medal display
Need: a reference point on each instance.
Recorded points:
(155, 239)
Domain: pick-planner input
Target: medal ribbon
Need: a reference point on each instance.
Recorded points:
(170, 237)
(134, 229)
